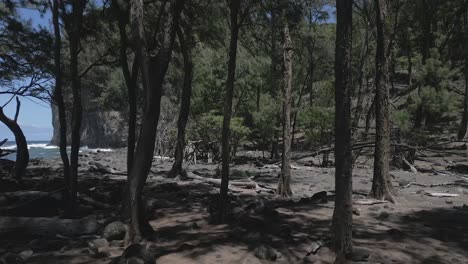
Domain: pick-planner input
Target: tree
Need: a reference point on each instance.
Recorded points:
(186, 43)
(58, 93)
(130, 76)
(342, 220)
(381, 185)
(284, 188)
(22, 153)
(24, 71)
(463, 132)
(234, 6)
(153, 69)
(73, 26)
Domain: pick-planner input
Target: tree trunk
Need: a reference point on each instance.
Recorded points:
(234, 7)
(131, 83)
(342, 220)
(153, 71)
(186, 43)
(381, 185)
(22, 153)
(58, 96)
(77, 111)
(274, 73)
(284, 188)
(463, 133)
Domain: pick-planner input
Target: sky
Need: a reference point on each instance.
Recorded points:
(35, 117)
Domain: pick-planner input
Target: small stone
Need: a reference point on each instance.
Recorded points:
(358, 254)
(266, 252)
(26, 254)
(100, 242)
(384, 215)
(116, 243)
(356, 211)
(394, 232)
(114, 231)
(449, 202)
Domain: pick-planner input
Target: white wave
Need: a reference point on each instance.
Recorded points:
(44, 146)
(85, 148)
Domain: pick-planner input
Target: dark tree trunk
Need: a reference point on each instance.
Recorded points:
(77, 111)
(153, 71)
(342, 220)
(234, 7)
(22, 153)
(426, 24)
(381, 185)
(58, 95)
(131, 83)
(463, 133)
(274, 73)
(284, 188)
(186, 43)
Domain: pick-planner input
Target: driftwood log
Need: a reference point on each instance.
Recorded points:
(43, 226)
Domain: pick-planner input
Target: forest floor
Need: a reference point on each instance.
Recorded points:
(263, 228)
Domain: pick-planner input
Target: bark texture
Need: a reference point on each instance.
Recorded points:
(381, 185)
(78, 7)
(342, 220)
(234, 7)
(284, 187)
(463, 133)
(153, 70)
(186, 44)
(58, 94)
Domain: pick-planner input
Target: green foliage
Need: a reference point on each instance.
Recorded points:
(207, 129)
(434, 99)
(402, 119)
(318, 124)
(265, 121)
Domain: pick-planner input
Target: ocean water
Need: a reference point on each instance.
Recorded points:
(42, 149)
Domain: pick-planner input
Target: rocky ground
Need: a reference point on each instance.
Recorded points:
(429, 223)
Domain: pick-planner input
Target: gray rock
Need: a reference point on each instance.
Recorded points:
(356, 211)
(266, 252)
(100, 242)
(358, 254)
(26, 254)
(114, 231)
(116, 243)
(374, 208)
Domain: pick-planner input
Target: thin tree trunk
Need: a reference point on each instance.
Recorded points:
(234, 7)
(273, 74)
(131, 83)
(463, 133)
(186, 47)
(284, 188)
(58, 95)
(153, 71)
(342, 220)
(22, 153)
(381, 185)
(77, 112)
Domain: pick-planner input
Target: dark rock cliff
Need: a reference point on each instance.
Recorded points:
(101, 128)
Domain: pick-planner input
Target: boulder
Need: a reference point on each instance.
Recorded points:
(114, 231)
(266, 253)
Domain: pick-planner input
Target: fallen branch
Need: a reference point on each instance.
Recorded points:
(442, 194)
(48, 226)
(368, 201)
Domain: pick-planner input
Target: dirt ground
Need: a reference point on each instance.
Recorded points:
(262, 228)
